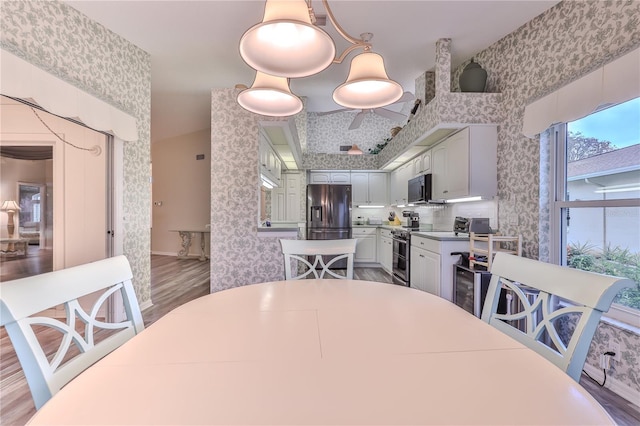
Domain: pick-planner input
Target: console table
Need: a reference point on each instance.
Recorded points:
(15, 247)
(186, 235)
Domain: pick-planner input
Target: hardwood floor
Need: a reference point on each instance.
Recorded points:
(175, 282)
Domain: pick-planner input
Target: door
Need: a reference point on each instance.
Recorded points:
(339, 206)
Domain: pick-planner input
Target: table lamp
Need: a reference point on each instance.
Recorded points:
(10, 206)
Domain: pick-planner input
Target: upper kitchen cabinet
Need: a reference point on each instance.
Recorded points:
(370, 188)
(399, 193)
(330, 177)
(465, 164)
(422, 164)
(270, 166)
(441, 115)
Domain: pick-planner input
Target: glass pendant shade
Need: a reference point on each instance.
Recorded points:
(285, 43)
(270, 95)
(367, 85)
(355, 150)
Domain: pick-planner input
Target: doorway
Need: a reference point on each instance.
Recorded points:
(64, 196)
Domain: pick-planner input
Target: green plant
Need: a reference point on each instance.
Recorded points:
(379, 147)
(615, 261)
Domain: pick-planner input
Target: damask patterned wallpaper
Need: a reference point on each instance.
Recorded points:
(559, 46)
(65, 43)
(327, 132)
(238, 255)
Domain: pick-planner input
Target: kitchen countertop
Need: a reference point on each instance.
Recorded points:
(442, 235)
(434, 235)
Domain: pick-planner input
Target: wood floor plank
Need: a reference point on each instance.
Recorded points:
(177, 281)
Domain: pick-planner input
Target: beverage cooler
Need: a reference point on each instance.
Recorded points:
(470, 288)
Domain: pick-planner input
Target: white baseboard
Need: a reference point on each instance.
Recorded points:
(146, 305)
(165, 253)
(614, 385)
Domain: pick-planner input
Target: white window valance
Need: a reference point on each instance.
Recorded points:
(616, 82)
(20, 79)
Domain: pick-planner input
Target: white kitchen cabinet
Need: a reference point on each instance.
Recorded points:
(278, 205)
(426, 162)
(425, 270)
(285, 200)
(400, 183)
(270, 165)
(366, 248)
(465, 164)
(431, 262)
(293, 194)
(330, 177)
(385, 249)
(369, 188)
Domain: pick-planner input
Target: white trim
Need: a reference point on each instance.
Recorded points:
(623, 317)
(614, 83)
(146, 305)
(168, 253)
(118, 196)
(20, 79)
(614, 385)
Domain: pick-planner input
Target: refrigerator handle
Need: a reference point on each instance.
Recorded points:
(330, 207)
(316, 213)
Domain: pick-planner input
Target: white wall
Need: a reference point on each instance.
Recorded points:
(183, 185)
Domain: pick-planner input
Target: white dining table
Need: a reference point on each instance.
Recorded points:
(322, 352)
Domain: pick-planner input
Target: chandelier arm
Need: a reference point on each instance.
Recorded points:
(340, 30)
(350, 49)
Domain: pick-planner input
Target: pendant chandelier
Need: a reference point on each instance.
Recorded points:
(287, 44)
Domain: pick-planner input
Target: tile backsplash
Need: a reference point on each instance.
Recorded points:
(440, 216)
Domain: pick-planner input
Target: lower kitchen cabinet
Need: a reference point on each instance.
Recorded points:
(425, 270)
(431, 263)
(366, 248)
(385, 250)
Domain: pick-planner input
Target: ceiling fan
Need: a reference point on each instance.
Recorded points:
(383, 112)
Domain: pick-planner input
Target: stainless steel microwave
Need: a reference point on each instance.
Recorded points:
(420, 189)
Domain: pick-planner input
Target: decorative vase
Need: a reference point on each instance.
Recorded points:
(473, 78)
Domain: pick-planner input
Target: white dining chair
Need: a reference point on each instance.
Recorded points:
(23, 301)
(318, 255)
(545, 295)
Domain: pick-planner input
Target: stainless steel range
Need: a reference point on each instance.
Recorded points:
(401, 250)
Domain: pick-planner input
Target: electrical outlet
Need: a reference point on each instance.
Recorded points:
(615, 347)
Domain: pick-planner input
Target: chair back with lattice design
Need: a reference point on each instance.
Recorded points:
(317, 257)
(547, 301)
(84, 336)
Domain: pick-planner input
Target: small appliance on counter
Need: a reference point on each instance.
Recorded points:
(478, 225)
(374, 221)
(413, 219)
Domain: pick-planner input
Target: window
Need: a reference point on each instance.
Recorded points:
(597, 203)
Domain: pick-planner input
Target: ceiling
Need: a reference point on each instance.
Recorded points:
(194, 45)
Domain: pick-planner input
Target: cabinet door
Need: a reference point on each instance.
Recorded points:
(457, 164)
(366, 249)
(417, 166)
(394, 192)
(293, 197)
(439, 171)
(340, 177)
(319, 177)
(425, 271)
(405, 175)
(359, 188)
(426, 162)
(386, 254)
(278, 207)
(378, 188)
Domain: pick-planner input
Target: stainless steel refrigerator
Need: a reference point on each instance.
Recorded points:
(329, 214)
